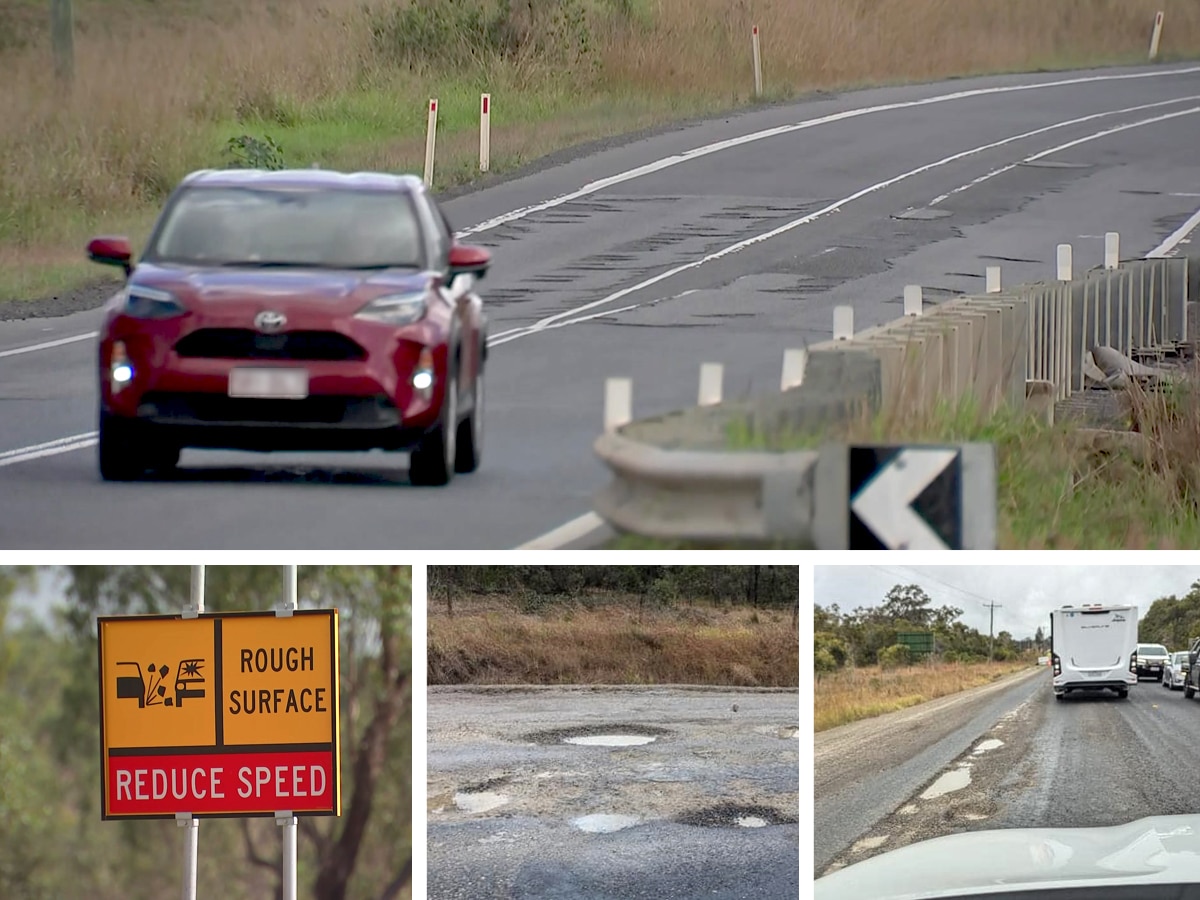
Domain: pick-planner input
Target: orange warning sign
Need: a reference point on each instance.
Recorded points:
(224, 714)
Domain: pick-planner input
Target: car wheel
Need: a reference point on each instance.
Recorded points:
(1188, 691)
(1123, 695)
(470, 432)
(431, 464)
(128, 449)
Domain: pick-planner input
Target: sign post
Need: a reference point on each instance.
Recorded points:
(285, 819)
(186, 821)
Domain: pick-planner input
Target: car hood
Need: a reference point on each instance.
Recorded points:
(338, 290)
(1156, 850)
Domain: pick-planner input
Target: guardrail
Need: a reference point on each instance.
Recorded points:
(676, 477)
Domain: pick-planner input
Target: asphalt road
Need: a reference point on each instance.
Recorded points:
(709, 807)
(645, 260)
(1026, 761)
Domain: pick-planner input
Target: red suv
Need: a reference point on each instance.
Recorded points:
(296, 310)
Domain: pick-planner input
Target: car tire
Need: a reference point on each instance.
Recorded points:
(431, 463)
(1123, 695)
(470, 432)
(1188, 691)
(129, 449)
(1058, 696)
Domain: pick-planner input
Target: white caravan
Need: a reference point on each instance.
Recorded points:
(1094, 648)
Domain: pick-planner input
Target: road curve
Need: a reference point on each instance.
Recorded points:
(727, 241)
(1032, 762)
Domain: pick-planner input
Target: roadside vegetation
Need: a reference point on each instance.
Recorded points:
(710, 625)
(53, 843)
(871, 661)
(167, 87)
(1129, 482)
(1172, 621)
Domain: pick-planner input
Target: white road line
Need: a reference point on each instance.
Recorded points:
(1075, 143)
(50, 448)
(707, 149)
(48, 345)
(1178, 236)
(835, 206)
(565, 534)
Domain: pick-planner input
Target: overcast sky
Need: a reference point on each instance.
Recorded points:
(1026, 594)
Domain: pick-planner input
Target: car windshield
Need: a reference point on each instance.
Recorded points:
(329, 229)
(1151, 650)
(1179, 658)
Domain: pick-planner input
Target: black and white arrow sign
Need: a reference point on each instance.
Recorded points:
(905, 498)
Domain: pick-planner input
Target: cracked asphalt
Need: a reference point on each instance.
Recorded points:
(710, 807)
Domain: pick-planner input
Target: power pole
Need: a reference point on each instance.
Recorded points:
(62, 34)
(992, 607)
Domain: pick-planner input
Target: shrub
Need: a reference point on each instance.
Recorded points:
(894, 656)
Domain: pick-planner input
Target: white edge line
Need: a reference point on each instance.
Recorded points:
(1166, 247)
(706, 149)
(58, 447)
(48, 345)
(1091, 137)
(565, 534)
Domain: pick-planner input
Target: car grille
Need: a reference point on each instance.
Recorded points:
(244, 343)
(195, 409)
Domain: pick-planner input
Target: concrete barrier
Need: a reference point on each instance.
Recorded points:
(1023, 347)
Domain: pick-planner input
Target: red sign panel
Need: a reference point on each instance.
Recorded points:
(221, 783)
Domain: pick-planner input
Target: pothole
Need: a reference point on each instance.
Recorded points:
(908, 810)
(610, 740)
(483, 801)
(613, 735)
(604, 823)
(488, 785)
(732, 815)
(954, 780)
(989, 744)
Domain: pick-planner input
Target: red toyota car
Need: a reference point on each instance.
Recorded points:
(297, 310)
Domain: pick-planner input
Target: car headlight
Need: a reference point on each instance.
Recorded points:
(395, 309)
(150, 303)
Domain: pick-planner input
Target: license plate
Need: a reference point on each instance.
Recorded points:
(269, 384)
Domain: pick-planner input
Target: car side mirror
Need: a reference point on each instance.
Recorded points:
(468, 260)
(111, 251)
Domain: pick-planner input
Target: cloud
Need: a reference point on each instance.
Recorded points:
(1026, 594)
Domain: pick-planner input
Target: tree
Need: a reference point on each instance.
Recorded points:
(1039, 637)
(375, 607)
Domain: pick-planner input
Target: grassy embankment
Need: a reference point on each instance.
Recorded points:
(609, 640)
(161, 88)
(852, 694)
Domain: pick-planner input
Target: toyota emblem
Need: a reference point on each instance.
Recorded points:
(269, 321)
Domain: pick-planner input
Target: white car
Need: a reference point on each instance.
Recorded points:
(1151, 658)
(1175, 671)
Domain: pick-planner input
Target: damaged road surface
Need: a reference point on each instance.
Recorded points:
(1009, 756)
(613, 792)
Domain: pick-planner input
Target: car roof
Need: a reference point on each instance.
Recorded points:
(305, 178)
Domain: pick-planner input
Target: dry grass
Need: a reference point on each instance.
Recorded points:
(494, 642)
(162, 86)
(852, 694)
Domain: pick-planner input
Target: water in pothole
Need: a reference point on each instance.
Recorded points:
(604, 823)
(479, 802)
(989, 744)
(610, 740)
(954, 780)
(751, 822)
